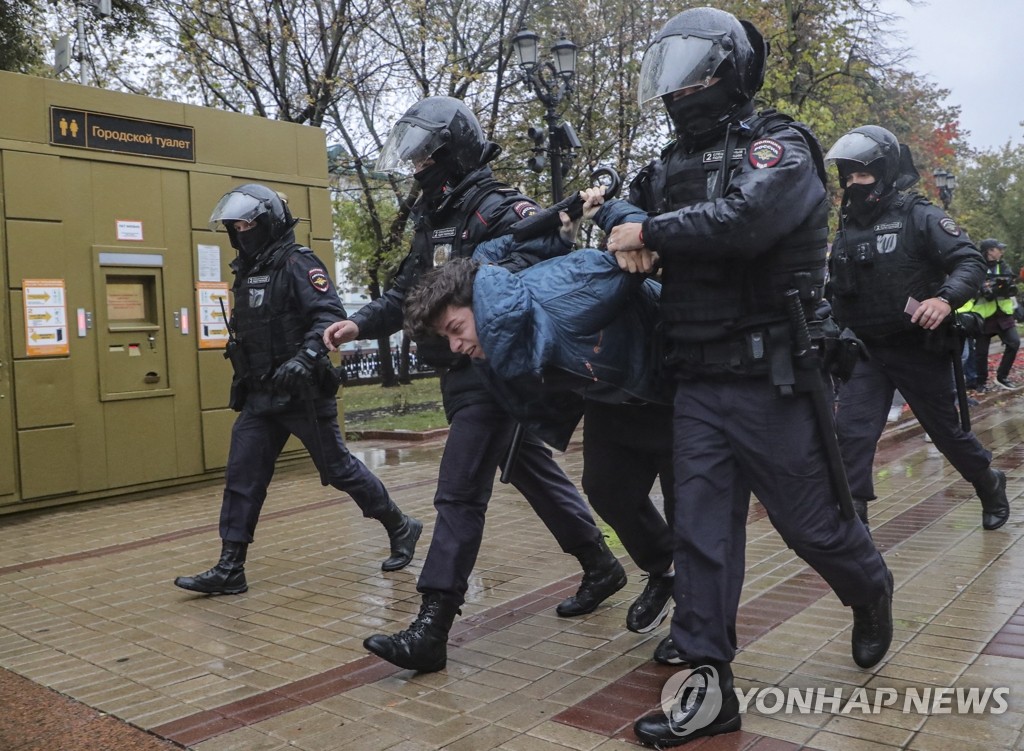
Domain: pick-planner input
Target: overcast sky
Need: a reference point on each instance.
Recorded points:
(975, 49)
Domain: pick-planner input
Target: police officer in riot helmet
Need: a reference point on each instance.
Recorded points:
(899, 268)
(738, 220)
(283, 384)
(439, 141)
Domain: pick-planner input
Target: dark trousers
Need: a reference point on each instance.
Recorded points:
(625, 449)
(1011, 344)
(926, 381)
(257, 441)
(478, 439)
(734, 437)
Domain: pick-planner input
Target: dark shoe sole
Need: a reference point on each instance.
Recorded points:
(729, 726)
(233, 591)
(385, 566)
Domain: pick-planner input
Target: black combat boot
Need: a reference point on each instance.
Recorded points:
(995, 507)
(667, 654)
(650, 609)
(403, 531)
(423, 646)
(603, 576)
(226, 578)
(705, 704)
(872, 628)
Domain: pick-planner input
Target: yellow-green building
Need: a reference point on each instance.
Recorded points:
(112, 378)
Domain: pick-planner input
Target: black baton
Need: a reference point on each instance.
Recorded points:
(823, 413)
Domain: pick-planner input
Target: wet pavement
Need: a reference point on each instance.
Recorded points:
(98, 650)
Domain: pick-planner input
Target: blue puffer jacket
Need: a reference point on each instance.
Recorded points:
(573, 323)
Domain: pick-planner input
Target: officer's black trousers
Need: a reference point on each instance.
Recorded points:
(625, 449)
(926, 381)
(257, 441)
(478, 439)
(734, 437)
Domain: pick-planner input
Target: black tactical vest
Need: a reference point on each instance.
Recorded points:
(871, 273)
(747, 295)
(268, 326)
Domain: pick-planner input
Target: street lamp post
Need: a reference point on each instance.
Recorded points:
(551, 83)
(946, 183)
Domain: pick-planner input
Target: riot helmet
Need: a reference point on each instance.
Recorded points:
(440, 128)
(713, 51)
(876, 151)
(869, 148)
(258, 205)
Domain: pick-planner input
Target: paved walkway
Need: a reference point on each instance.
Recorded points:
(98, 650)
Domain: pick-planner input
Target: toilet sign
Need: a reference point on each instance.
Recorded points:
(46, 317)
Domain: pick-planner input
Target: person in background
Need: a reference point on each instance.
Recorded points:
(997, 304)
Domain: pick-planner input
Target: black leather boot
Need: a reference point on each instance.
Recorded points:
(423, 646)
(403, 532)
(872, 628)
(603, 576)
(995, 507)
(226, 578)
(705, 704)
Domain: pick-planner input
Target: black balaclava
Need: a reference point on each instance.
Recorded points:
(701, 115)
(432, 179)
(863, 202)
(253, 241)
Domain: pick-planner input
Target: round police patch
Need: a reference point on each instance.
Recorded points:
(524, 209)
(949, 226)
(318, 278)
(765, 152)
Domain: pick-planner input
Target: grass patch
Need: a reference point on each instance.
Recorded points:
(413, 406)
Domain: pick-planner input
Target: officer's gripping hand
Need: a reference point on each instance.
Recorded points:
(340, 332)
(292, 375)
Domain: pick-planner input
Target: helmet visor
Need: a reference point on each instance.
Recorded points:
(236, 206)
(856, 147)
(409, 145)
(679, 62)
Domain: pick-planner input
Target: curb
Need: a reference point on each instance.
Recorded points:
(396, 435)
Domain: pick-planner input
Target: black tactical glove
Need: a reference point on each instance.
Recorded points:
(295, 373)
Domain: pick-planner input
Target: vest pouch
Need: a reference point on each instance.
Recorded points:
(238, 394)
(843, 279)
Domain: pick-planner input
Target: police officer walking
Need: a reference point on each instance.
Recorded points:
(899, 267)
(283, 384)
(738, 219)
(440, 143)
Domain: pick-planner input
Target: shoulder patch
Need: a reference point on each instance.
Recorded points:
(318, 278)
(524, 209)
(949, 226)
(766, 152)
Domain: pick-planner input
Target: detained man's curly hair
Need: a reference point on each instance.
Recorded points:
(436, 291)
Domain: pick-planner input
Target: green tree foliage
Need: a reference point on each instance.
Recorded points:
(989, 199)
(19, 46)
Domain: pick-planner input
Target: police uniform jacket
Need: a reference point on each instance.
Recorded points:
(733, 223)
(910, 251)
(478, 208)
(282, 304)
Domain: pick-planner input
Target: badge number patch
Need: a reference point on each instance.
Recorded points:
(766, 152)
(318, 278)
